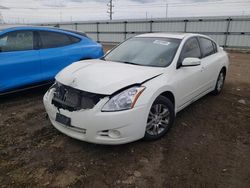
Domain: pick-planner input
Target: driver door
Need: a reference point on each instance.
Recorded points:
(19, 61)
(188, 79)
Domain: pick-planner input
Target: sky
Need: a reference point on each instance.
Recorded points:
(44, 11)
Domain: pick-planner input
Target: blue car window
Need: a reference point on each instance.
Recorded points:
(3, 41)
(17, 41)
(74, 39)
(54, 39)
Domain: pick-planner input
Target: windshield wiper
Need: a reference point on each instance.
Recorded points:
(126, 62)
(131, 63)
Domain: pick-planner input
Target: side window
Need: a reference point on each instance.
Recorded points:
(190, 49)
(54, 39)
(207, 47)
(17, 41)
(3, 41)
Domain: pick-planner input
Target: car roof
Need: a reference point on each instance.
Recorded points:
(15, 27)
(169, 35)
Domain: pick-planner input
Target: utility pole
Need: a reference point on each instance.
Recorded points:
(1, 19)
(166, 8)
(1, 16)
(110, 9)
(60, 16)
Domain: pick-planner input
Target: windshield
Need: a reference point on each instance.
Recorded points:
(156, 52)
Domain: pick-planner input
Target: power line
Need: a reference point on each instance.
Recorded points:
(190, 4)
(111, 5)
(100, 8)
(3, 7)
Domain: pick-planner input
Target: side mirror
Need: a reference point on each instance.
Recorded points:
(191, 61)
(0, 49)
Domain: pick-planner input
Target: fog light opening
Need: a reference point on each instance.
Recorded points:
(114, 133)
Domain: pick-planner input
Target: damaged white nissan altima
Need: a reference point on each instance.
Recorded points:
(136, 89)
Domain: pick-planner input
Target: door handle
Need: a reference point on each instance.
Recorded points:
(202, 69)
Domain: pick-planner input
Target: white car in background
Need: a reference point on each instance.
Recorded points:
(136, 89)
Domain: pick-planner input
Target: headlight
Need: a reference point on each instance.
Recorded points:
(124, 100)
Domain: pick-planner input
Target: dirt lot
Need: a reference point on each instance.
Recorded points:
(209, 145)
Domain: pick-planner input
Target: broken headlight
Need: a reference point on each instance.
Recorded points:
(124, 100)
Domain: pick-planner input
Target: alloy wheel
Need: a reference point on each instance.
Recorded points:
(158, 119)
(220, 81)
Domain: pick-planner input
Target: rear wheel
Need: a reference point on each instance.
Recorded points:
(160, 118)
(220, 83)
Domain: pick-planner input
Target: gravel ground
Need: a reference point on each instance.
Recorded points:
(208, 146)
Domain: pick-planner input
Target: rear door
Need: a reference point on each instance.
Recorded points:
(54, 52)
(19, 61)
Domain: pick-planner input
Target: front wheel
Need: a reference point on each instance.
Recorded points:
(220, 83)
(160, 118)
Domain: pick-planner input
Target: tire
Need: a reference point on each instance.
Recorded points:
(160, 118)
(219, 83)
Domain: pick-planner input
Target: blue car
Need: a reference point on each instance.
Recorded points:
(34, 55)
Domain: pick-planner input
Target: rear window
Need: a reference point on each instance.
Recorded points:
(54, 39)
(76, 32)
(74, 39)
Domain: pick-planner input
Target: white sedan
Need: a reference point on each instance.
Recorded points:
(136, 89)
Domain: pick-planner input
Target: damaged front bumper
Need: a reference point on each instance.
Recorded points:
(93, 125)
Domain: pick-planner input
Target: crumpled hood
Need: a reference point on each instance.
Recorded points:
(104, 77)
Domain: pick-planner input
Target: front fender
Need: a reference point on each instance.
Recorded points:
(154, 88)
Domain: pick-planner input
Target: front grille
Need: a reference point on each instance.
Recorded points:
(72, 99)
